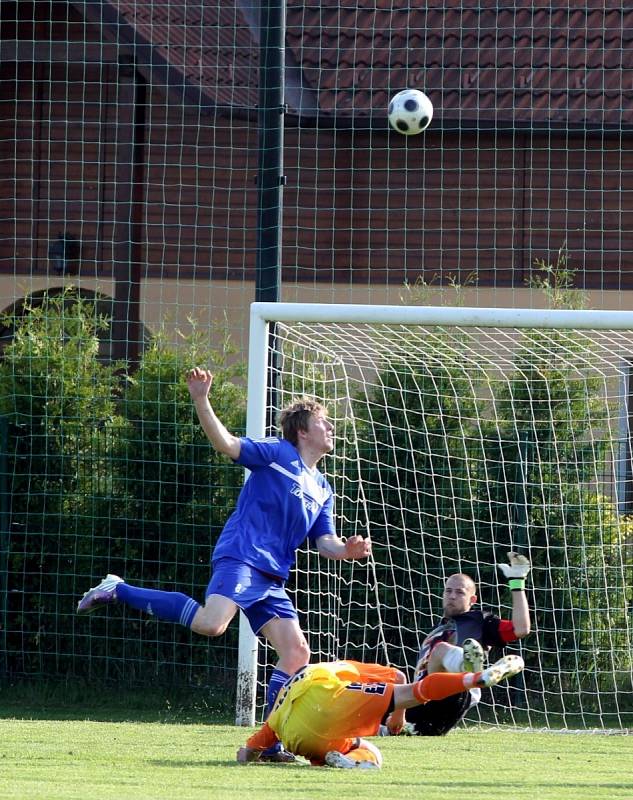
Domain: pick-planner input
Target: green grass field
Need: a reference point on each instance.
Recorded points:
(84, 758)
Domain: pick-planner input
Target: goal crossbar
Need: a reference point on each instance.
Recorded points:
(582, 319)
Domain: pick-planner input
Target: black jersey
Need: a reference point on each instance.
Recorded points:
(474, 624)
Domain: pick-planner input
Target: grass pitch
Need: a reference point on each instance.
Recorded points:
(49, 759)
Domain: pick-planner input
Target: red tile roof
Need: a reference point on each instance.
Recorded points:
(528, 64)
(203, 48)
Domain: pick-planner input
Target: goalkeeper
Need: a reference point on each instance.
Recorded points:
(322, 712)
(459, 643)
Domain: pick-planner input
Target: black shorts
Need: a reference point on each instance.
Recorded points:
(438, 717)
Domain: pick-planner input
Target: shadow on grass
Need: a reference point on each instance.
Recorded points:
(79, 700)
(218, 762)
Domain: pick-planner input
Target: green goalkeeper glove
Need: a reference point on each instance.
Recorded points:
(516, 571)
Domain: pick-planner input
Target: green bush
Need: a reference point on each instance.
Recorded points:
(107, 472)
(59, 402)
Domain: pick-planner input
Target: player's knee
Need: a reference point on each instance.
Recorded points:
(298, 656)
(435, 662)
(303, 653)
(214, 617)
(440, 649)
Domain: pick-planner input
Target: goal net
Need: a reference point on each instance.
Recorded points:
(462, 434)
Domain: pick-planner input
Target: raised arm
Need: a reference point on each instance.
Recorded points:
(520, 614)
(199, 383)
(516, 572)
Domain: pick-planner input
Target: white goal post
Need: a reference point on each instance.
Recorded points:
(462, 433)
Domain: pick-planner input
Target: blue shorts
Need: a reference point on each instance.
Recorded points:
(261, 597)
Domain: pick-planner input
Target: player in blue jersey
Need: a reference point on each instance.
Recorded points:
(284, 501)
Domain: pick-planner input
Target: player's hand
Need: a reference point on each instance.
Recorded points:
(246, 754)
(395, 722)
(519, 566)
(357, 547)
(199, 382)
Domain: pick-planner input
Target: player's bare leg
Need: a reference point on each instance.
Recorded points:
(214, 617)
(289, 643)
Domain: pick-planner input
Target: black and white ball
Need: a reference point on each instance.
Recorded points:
(410, 112)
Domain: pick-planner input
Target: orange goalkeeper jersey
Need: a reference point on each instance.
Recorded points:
(327, 706)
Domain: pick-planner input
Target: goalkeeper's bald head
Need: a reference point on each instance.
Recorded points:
(460, 592)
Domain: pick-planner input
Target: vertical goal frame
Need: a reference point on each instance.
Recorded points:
(263, 314)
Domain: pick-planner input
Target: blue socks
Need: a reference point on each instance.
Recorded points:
(169, 606)
(277, 680)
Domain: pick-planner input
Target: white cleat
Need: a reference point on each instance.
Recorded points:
(506, 667)
(473, 656)
(338, 760)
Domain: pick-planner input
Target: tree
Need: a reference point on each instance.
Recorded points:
(59, 402)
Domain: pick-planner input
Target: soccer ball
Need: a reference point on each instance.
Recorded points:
(410, 111)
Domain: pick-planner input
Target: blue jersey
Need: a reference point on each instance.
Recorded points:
(281, 503)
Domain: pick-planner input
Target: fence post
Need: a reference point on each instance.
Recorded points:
(4, 544)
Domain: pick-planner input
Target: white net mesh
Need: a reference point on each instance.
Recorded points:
(455, 445)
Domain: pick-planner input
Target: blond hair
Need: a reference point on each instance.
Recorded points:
(296, 416)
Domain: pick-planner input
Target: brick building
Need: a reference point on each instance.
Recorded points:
(128, 144)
